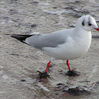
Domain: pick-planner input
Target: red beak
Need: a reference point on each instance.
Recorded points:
(97, 29)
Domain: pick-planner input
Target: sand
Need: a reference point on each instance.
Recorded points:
(19, 62)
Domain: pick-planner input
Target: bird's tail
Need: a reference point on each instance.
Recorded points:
(20, 37)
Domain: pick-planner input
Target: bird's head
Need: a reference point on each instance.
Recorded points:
(87, 22)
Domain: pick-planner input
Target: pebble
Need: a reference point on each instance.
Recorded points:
(76, 91)
(5, 77)
(13, 11)
(23, 80)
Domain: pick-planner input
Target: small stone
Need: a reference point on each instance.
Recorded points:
(54, 7)
(14, 54)
(77, 91)
(33, 25)
(23, 80)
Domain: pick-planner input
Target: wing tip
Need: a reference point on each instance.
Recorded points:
(20, 37)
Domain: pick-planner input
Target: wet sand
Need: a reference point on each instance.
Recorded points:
(19, 63)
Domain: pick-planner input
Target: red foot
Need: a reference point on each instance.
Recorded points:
(44, 75)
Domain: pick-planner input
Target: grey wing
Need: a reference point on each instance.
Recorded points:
(45, 40)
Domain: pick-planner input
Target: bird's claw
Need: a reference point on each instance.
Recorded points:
(43, 75)
(73, 73)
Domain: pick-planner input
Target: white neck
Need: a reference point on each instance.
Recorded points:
(82, 32)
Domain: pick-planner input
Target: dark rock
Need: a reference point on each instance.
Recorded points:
(77, 91)
(23, 80)
(33, 25)
(14, 54)
(60, 84)
(70, 7)
(61, 87)
(71, 25)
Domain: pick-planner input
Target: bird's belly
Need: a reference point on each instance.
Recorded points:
(69, 52)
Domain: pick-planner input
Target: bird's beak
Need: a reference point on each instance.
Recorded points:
(97, 29)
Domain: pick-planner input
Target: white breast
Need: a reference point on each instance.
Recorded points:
(74, 47)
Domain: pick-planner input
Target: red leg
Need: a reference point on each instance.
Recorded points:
(48, 65)
(68, 65)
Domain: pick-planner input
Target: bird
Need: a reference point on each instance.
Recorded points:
(66, 44)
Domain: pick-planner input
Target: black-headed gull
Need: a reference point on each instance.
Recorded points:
(64, 44)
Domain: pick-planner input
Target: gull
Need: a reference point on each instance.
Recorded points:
(66, 44)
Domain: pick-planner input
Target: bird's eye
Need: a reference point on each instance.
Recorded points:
(89, 24)
(83, 23)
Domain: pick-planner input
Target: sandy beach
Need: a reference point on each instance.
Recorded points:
(19, 62)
